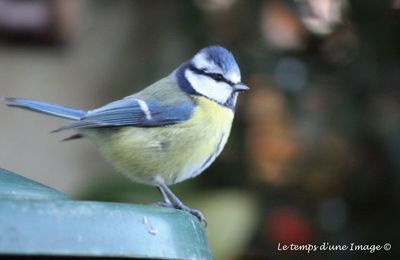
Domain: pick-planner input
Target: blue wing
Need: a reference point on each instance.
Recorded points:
(134, 112)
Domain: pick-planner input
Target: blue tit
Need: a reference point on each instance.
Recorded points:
(170, 131)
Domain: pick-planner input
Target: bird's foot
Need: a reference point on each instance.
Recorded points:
(172, 201)
(164, 205)
(183, 207)
(194, 212)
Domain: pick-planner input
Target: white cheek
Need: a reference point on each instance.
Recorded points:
(218, 91)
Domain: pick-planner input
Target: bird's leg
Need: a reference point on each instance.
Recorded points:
(167, 202)
(178, 204)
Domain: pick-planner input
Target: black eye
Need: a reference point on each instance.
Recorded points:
(217, 76)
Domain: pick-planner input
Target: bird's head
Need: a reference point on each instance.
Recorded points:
(214, 74)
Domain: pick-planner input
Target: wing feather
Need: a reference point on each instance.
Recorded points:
(130, 112)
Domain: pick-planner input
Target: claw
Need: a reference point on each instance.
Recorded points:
(185, 208)
(164, 204)
(194, 212)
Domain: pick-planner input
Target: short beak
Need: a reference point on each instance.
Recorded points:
(240, 87)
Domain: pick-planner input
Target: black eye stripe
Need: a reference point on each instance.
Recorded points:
(215, 76)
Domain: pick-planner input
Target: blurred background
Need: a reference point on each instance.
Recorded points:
(314, 154)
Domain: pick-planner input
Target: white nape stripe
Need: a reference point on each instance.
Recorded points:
(200, 61)
(233, 77)
(145, 108)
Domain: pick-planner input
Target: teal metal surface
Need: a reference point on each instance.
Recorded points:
(14, 186)
(61, 227)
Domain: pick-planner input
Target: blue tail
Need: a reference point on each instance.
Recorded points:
(46, 108)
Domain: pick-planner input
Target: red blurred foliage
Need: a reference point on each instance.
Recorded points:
(286, 226)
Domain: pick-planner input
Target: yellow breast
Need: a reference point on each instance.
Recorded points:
(169, 154)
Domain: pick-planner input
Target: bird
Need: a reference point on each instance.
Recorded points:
(166, 133)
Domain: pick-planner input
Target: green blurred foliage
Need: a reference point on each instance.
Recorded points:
(315, 148)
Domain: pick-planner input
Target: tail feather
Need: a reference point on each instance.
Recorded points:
(72, 137)
(46, 108)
